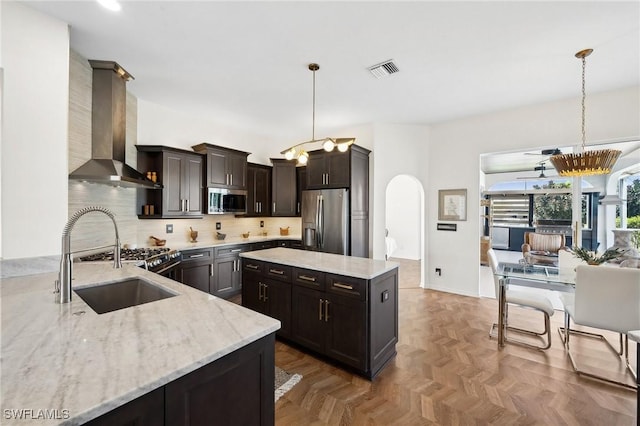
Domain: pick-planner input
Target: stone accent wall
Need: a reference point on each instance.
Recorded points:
(96, 229)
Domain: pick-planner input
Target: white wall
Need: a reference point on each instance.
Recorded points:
(160, 125)
(455, 148)
(35, 59)
(403, 213)
(397, 150)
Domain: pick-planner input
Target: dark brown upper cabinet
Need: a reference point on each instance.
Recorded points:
(328, 169)
(226, 167)
(180, 173)
(283, 188)
(258, 190)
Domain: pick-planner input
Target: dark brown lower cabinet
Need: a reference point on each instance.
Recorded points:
(237, 389)
(350, 320)
(267, 296)
(147, 410)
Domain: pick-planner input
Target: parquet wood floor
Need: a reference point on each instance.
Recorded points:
(448, 372)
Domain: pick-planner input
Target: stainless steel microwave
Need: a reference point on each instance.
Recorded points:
(226, 201)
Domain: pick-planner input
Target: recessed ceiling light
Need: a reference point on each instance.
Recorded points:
(110, 4)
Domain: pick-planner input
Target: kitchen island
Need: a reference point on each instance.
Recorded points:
(66, 364)
(342, 308)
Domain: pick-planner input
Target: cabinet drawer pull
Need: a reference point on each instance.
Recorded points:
(235, 250)
(344, 286)
(193, 256)
(320, 310)
(250, 266)
(307, 278)
(276, 271)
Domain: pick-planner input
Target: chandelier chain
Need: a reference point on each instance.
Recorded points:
(584, 95)
(313, 110)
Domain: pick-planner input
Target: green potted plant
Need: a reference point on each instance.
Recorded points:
(592, 258)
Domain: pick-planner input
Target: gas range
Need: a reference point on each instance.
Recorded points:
(156, 259)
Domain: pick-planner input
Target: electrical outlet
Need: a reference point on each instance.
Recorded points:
(218, 226)
(169, 229)
(262, 224)
(439, 272)
(384, 296)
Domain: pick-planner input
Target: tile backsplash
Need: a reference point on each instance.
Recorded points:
(232, 226)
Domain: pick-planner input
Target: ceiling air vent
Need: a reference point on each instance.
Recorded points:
(384, 69)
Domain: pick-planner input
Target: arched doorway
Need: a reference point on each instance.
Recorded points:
(404, 225)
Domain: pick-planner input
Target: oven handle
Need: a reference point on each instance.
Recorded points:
(174, 264)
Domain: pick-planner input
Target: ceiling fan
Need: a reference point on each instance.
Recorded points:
(545, 152)
(541, 168)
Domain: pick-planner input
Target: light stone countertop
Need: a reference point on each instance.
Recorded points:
(232, 241)
(54, 359)
(357, 267)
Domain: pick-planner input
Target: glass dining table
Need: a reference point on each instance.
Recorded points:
(536, 276)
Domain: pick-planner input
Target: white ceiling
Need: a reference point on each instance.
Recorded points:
(244, 64)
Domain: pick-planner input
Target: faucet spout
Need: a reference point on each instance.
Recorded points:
(63, 283)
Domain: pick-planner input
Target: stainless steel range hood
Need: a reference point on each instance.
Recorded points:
(108, 131)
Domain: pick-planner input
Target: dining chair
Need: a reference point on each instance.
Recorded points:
(524, 299)
(607, 298)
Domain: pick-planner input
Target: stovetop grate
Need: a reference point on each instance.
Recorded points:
(125, 254)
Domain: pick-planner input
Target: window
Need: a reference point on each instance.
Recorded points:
(510, 210)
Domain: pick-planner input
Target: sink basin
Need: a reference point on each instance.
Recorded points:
(122, 294)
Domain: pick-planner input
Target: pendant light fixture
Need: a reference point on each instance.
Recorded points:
(585, 163)
(297, 152)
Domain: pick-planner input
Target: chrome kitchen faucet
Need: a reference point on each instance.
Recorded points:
(63, 283)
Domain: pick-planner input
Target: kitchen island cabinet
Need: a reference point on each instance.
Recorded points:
(341, 307)
(127, 364)
(268, 292)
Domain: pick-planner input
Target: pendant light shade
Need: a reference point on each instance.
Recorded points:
(328, 144)
(585, 163)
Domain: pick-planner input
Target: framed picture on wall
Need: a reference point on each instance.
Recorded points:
(452, 204)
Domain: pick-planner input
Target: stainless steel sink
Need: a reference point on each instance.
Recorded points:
(122, 294)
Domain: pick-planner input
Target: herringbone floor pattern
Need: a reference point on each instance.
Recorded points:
(448, 372)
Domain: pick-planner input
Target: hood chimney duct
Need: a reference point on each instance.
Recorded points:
(108, 131)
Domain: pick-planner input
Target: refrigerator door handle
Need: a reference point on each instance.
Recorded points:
(320, 221)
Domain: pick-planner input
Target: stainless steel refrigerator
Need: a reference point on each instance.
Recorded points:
(325, 220)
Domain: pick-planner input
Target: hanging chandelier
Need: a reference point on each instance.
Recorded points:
(297, 152)
(585, 163)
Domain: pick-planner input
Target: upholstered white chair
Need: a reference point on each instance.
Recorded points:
(523, 299)
(607, 298)
(630, 263)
